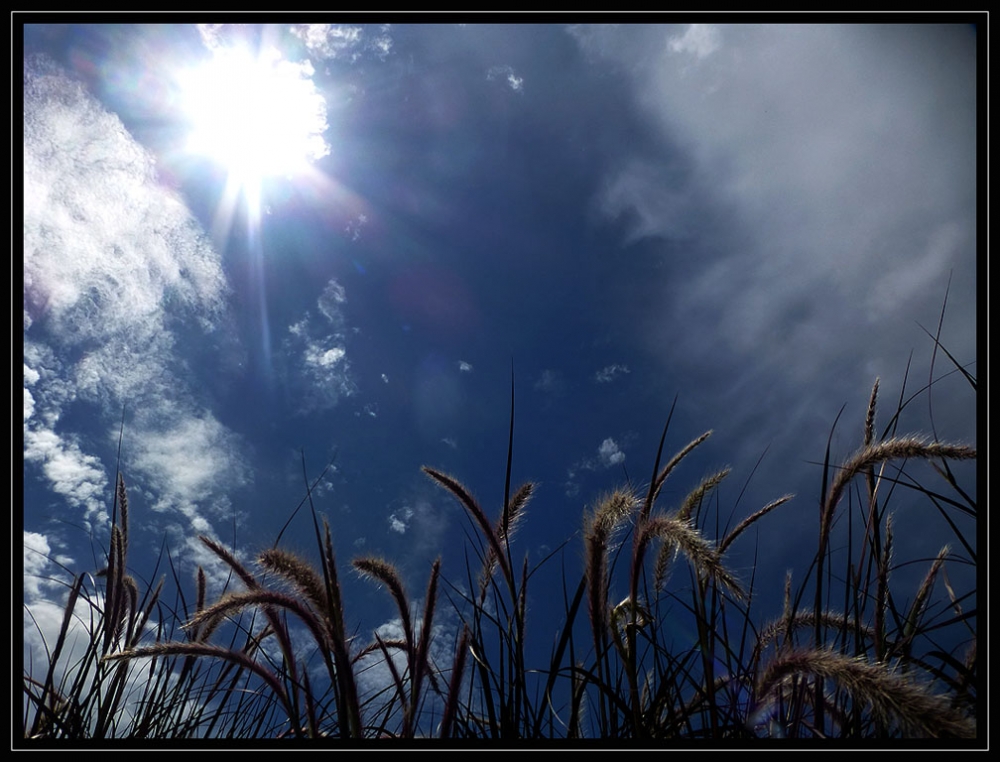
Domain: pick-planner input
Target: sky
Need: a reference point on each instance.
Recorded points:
(756, 221)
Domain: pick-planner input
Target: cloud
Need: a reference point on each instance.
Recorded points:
(609, 453)
(330, 300)
(550, 382)
(70, 472)
(36, 560)
(104, 242)
(465, 367)
(650, 201)
(187, 459)
(399, 521)
(320, 370)
(330, 41)
(107, 249)
(609, 373)
(373, 674)
(822, 178)
(29, 405)
(700, 40)
(42, 624)
(507, 73)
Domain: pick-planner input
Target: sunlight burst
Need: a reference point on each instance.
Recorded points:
(258, 116)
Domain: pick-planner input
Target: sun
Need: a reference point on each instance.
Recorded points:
(258, 116)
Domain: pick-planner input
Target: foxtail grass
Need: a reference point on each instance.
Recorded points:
(660, 636)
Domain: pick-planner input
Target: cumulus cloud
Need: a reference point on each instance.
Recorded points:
(29, 404)
(399, 521)
(465, 367)
(609, 453)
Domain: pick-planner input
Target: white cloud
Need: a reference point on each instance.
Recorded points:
(29, 404)
(330, 300)
(315, 355)
(373, 674)
(107, 247)
(104, 242)
(382, 44)
(332, 41)
(42, 623)
(36, 559)
(70, 472)
(609, 453)
(399, 521)
(465, 367)
(700, 40)
(549, 381)
(827, 160)
(318, 354)
(649, 202)
(188, 461)
(506, 72)
(610, 372)
(30, 375)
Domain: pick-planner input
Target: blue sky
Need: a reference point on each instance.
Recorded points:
(754, 219)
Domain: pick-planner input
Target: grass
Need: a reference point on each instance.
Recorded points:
(854, 654)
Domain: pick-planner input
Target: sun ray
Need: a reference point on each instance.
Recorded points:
(258, 116)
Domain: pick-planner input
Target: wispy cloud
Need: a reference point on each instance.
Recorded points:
(700, 40)
(185, 460)
(550, 383)
(609, 373)
(106, 249)
(317, 354)
(823, 181)
(331, 41)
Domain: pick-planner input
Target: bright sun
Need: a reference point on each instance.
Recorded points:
(258, 116)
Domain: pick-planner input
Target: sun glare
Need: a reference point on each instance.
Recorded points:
(258, 116)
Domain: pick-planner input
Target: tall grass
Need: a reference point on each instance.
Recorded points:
(854, 653)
